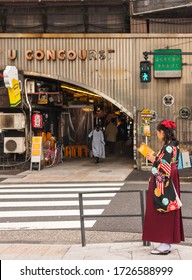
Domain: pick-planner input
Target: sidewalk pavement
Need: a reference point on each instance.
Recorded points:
(100, 251)
(87, 171)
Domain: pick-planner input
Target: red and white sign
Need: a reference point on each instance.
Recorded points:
(37, 121)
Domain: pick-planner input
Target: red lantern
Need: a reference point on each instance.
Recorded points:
(37, 121)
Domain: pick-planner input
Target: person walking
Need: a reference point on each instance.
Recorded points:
(122, 136)
(111, 135)
(163, 220)
(98, 143)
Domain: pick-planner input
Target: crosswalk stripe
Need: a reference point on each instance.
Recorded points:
(22, 196)
(55, 190)
(65, 185)
(45, 225)
(49, 213)
(42, 201)
(52, 203)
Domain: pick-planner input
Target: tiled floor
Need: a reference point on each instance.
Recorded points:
(79, 170)
(109, 251)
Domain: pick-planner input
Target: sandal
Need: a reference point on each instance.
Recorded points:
(159, 252)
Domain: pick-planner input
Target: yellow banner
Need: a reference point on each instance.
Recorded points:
(14, 93)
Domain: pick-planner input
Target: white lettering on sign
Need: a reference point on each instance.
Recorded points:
(37, 120)
(146, 114)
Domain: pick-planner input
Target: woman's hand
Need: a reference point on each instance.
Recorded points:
(151, 157)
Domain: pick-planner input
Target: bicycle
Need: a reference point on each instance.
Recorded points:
(54, 155)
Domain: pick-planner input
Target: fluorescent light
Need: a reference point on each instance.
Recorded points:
(79, 90)
(87, 109)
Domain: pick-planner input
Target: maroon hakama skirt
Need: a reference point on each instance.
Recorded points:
(163, 227)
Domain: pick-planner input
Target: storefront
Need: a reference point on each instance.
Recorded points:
(74, 81)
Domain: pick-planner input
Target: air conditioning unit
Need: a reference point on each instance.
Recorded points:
(14, 145)
(12, 121)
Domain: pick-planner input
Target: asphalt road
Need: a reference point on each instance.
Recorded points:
(124, 203)
(104, 229)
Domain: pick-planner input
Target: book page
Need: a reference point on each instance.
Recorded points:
(144, 149)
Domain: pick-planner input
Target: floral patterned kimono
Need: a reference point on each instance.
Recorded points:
(161, 224)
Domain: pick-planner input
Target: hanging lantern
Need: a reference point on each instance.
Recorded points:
(37, 120)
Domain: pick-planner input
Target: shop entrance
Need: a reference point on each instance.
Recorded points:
(70, 112)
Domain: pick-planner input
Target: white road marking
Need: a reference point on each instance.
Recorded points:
(64, 185)
(52, 203)
(52, 195)
(55, 190)
(32, 196)
(49, 213)
(45, 225)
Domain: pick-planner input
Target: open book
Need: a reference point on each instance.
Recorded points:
(144, 149)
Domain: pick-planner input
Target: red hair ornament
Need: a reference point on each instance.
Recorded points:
(169, 124)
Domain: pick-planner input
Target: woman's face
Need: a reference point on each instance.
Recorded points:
(161, 135)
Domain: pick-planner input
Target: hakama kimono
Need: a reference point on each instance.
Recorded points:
(163, 222)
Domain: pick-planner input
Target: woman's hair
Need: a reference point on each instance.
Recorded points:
(168, 127)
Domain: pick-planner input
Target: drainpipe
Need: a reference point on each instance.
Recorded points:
(134, 137)
(30, 109)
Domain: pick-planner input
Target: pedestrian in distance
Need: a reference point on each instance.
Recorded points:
(122, 136)
(111, 135)
(98, 143)
(163, 220)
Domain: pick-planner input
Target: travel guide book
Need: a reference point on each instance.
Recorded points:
(144, 149)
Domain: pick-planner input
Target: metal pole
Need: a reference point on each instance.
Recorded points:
(146, 142)
(165, 53)
(143, 202)
(134, 137)
(83, 242)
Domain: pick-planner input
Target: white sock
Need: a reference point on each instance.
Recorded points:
(164, 247)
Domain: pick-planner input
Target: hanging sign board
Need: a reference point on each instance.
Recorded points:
(168, 64)
(186, 159)
(37, 150)
(146, 114)
(146, 130)
(14, 93)
(12, 83)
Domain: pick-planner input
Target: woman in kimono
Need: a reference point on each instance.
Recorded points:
(98, 143)
(163, 221)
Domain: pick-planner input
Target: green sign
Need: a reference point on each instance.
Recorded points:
(168, 63)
